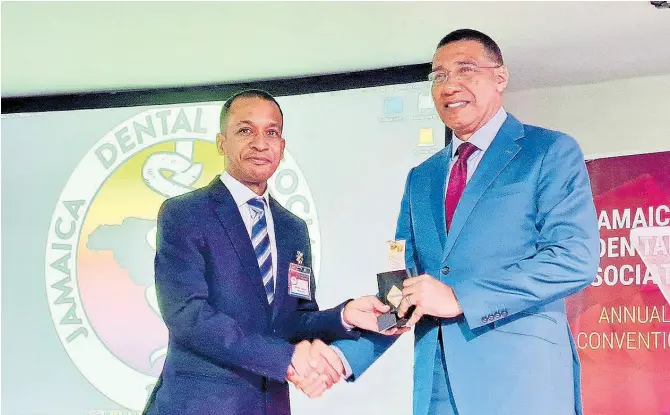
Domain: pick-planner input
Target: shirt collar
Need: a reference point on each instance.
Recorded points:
(241, 193)
(483, 137)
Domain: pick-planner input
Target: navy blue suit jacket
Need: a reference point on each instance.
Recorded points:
(228, 349)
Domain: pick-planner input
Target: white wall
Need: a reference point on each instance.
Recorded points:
(93, 45)
(617, 117)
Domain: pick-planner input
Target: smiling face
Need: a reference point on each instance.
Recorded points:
(472, 92)
(252, 141)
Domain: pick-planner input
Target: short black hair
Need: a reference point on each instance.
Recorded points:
(490, 46)
(247, 93)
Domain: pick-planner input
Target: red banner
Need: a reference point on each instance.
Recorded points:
(621, 323)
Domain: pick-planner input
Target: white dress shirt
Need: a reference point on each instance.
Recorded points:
(242, 194)
(482, 138)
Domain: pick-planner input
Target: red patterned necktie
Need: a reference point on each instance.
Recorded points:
(457, 180)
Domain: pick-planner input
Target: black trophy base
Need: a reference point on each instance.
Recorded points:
(390, 320)
(390, 293)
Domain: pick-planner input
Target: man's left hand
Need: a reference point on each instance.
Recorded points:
(430, 296)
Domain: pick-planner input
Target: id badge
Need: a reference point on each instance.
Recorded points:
(299, 279)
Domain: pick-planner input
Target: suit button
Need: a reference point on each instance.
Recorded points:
(445, 270)
(485, 320)
(503, 314)
(497, 314)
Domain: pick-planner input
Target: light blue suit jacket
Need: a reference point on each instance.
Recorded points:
(523, 237)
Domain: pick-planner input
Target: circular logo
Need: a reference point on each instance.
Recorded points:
(102, 242)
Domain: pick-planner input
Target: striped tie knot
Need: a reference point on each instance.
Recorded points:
(257, 204)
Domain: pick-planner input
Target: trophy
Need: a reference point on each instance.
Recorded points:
(390, 286)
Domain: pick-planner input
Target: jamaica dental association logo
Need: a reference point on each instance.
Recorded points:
(102, 241)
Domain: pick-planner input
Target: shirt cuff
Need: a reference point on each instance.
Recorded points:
(344, 323)
(345, 363)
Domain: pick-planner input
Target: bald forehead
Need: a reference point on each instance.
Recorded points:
(462, 51)
(253, 108)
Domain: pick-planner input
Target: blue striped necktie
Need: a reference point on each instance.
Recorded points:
(261, 242)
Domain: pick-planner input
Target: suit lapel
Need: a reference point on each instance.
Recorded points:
(438, 189)
(228, 214)
(284, 255)
(499, 154)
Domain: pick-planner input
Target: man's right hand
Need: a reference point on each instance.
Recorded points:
(314, 368)
(363, 313)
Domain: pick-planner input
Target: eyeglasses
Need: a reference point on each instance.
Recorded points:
(464, 72)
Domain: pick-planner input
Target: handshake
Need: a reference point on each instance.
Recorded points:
(315, 367)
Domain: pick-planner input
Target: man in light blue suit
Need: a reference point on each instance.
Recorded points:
(502, 227)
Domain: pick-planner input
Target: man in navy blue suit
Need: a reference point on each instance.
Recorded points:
(237, 329)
